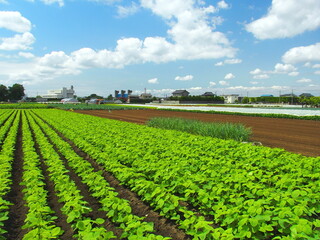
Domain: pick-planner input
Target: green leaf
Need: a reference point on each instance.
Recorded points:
(253, 221)
(99, 221)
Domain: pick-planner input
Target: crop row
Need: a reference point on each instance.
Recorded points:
(75, 208)
(39, 220)
(250, 192)
(8, 137)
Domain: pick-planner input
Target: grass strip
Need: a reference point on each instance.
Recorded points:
(233, 131)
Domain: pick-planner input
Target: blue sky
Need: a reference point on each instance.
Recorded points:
(227, 47)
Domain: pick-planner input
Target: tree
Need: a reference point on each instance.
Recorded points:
(245, 100)
(3, 93)
(93, 96)
(16, 92)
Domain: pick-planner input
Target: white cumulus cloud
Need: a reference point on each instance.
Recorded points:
(192, 35)
(125, 11)
(153, 81)
(254, 82)
(284, 68)
(49, 2)
(287, 18)
(261, 76)
(14, 21)
(222, 4)
(229, 61)
(302, 54)
(212, 84)
(223, 83)
(26, 55)
(17, 42)
(304, 80)
(293, 74)
(229, 76)
(184, 78)
(256, 71)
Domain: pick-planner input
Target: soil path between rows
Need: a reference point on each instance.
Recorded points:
(293, 135)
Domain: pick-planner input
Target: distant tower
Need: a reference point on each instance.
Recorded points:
(129, 92)
(116, 92)
(123, 92)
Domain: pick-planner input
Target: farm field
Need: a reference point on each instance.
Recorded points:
(298, 136)
(74, 176)
(259, 110)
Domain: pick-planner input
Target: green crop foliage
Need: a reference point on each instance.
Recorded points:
(82, 106)
(211, 188)
(248, 192)
(8, 135)
(22, 106)
(39, 221)
(233, 131)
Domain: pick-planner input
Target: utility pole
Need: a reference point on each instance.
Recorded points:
(291, 96)
(279, 96)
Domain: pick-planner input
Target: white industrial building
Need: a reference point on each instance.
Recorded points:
(60, 94)
(232, 98)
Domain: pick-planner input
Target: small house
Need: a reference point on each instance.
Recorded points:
(208, 94)
(180, 93)
(306, 95)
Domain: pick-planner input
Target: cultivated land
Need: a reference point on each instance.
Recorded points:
(298, 136)
(74, 176)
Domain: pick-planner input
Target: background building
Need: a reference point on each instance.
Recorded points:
(180, 93)
(59, 94)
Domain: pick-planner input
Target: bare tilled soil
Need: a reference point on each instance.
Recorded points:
(293, 135)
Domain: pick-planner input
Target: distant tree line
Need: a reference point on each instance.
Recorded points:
(13, 93)
(312, 101)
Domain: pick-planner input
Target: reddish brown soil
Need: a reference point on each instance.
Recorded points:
(298, 136)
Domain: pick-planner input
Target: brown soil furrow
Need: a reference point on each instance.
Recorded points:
(294, 135)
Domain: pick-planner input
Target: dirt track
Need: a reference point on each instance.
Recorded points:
(298, 136)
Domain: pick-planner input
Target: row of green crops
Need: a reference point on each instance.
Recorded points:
(74, 207)
(83, 106)
(233, 131)
(240, 191)
(22, 106)
(9, 128)
(39, 220)
(80, 106)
